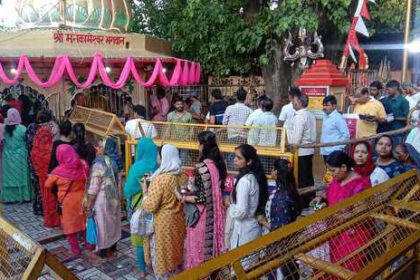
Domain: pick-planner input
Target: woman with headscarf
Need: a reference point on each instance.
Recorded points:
(407, 155)
(205, 240)
(145, 164)
(362, 154)
(65, 138)
(164, 249)
(70, 178)
(103, 199)
(15, 182)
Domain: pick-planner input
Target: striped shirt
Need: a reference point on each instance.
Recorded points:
(302, 130)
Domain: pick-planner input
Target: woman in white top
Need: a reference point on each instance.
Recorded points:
(249, 196)
(363, 157)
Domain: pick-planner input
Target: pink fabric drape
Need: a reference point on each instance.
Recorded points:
(183, 74)
(196, 235)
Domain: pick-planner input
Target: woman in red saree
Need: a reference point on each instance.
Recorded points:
(345, 184)
(40, 157)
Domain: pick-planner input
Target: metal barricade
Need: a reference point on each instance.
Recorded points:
(372, 235)
(23, 258)
(269, 141)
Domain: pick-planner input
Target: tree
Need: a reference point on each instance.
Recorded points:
(246, 36)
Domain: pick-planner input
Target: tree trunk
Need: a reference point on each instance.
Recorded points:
(277, 78)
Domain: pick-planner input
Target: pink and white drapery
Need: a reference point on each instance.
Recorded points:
(184, 73)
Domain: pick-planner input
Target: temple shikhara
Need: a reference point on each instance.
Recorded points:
(66, 49)
(226, 141)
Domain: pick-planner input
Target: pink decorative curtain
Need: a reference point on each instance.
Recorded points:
(185, 73)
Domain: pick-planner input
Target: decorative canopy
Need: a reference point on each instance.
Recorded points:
(48, 56)
(184, 73)
(63, 38)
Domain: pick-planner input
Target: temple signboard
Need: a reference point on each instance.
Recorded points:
(316, 95)
(88, 39)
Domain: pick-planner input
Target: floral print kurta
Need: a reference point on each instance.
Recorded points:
(169, 223)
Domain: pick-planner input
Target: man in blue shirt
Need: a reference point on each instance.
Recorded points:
(400, 108)
(334, 127)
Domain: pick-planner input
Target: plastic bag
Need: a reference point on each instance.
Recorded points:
(141, 223)
(91, 231)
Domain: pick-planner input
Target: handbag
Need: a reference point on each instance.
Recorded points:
(91, 231)
(191, 214)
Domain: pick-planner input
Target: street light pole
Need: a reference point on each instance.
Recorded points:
(406, 39)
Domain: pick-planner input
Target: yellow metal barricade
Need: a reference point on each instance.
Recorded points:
(98, 123)
(23, 258)
(372, 235)
(270, 142)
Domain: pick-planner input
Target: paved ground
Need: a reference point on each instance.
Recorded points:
(123, 267)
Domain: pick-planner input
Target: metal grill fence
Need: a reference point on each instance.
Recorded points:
(14, 258)
(373, 234)
(360, 78)
(23, 258)
(268, 141)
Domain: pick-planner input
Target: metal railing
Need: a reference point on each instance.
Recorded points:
(23, 258)
(375, 233)
(270, 142)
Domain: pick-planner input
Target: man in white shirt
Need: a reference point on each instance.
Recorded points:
(254, 115)
(410, 93)
(287, 111)
(260, 136)
(253, 133)
(237, 115)
(302, 130)
(139, 125)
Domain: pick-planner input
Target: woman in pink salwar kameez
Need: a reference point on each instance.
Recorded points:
(345, 184)
(205, 240)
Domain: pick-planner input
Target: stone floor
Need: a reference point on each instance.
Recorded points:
(123, 267)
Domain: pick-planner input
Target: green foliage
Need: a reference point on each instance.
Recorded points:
(388, 16)
(239, 36)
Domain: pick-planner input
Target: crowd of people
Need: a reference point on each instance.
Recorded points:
(196, 216)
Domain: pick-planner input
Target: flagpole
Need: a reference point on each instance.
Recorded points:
(406, 39)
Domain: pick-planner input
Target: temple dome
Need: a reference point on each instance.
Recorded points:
(111, 15)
